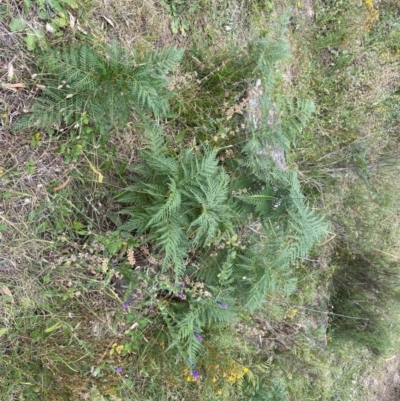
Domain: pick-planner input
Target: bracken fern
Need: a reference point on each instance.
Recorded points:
(110, 87)
(179, 201)
(197, 212)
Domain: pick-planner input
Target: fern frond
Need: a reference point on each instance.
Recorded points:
(136, 222)
(306, 227)
(168, 165)
(215, 214)
(169, 236)
(296, 116)
(164, 61)
(170, 205)
(108, 90)
(155, 142)
(261, 201)
(198, 166)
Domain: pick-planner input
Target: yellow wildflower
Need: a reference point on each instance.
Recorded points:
(117, 348)
(291, 313)
(298, 4)
(245, 369)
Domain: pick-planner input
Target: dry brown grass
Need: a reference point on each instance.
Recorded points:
(24, 190)
(25, 171)
(146, 24)
(15, 67)
(383, 380)
(134, 23)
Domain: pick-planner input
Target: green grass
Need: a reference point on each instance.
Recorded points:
(64, 329)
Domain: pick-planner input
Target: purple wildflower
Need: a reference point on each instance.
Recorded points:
(222, 304)
(198, 337)
(181, 295)
(125, 305)
(118, 369)
(151, 309)
(182, 284)
(195, 374)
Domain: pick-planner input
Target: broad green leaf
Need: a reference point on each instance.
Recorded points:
(130, 317)
(36, 335)
(55, 5)
(31, 40)
(31, 215)
(143, 323)
(70, 3)
(193, 8)
(27, 5)
(135, 347)
(78, 225)
(43, 15)
(113, 247)
(175, 26)
(3, 331)
(17, 24)
(52, 328)
(60, 21)
(180, 136)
